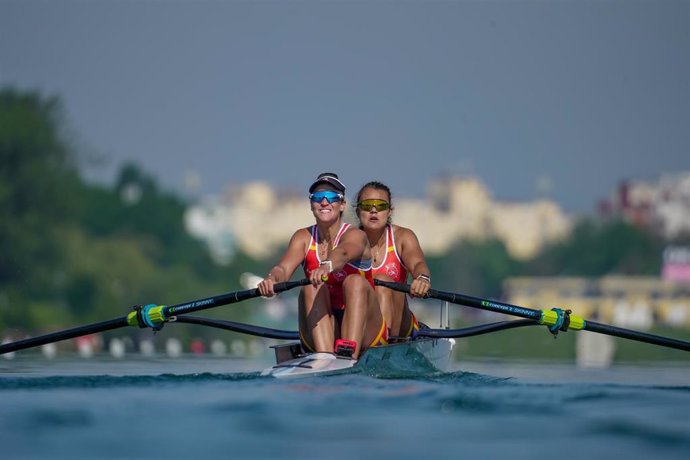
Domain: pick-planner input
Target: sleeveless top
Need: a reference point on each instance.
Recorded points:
(335, 279)
(391, 265)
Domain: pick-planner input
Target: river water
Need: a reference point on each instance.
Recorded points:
(222, 408)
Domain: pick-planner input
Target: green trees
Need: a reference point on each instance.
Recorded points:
(475, 267)
(38, 180)
(73, 252)
(37, 183)
(600, 248)
(595, 248)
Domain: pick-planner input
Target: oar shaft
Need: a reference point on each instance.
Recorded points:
(469, 301)
(233, 326)
(545, 317)
(636, 335)
(63, 335)
(156, 316)
(226, 299)
(476, 330)
(488, 305)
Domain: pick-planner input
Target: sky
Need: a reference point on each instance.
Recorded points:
(559, 98)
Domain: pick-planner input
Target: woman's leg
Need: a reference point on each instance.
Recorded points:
(394, 309)
(316, 323)
(362, 320)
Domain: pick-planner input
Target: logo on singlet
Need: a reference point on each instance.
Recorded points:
(392, 270)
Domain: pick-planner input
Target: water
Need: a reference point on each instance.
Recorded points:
(217, 408)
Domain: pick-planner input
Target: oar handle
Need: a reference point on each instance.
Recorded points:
(395, 286)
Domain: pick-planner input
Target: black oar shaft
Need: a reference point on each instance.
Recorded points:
(545, 317)
(243, 328)
(469, 301)
(64, 335)
(636, 335)
(226, 299)
(488, 305)
(476, 330)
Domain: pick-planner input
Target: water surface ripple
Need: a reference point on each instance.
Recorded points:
(243, 415)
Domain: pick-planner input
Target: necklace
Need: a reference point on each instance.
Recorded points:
(376, 255)
(323, 250)
(376, 249)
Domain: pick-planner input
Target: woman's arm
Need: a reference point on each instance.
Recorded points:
(352, 246)
(413, 257)
(293, 256)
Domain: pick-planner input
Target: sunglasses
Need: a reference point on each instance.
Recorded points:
(378, 205)
(331, 197)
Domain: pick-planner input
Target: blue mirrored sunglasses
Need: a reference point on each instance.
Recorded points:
(331, 197)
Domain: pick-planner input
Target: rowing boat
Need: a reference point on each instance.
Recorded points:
(422, 356)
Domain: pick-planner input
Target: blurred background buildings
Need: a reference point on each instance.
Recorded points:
(259, 219)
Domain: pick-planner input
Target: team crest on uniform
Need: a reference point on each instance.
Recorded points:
(392, 270)
(340, 275)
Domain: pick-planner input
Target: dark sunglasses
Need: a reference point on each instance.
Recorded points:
(378, 205)
(331, 197)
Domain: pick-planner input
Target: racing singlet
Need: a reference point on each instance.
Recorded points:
(391, 265)
(336, 278)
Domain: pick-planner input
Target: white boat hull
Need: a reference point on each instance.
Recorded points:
(418, 357)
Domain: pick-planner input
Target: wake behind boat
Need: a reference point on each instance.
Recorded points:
(422, 356)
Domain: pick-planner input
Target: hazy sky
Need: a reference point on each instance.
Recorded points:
(586, 93)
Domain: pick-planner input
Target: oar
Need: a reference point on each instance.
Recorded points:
(283, 334)
(243, 328)
(556, 319)
(475, 330)
(153, 316)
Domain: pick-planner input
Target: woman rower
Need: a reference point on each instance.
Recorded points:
(338, 311)
(396, 253)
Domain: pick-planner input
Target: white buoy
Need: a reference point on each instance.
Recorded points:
(147, 348)
(116, 347)
(238, 348)
(219, 348)
(173, 347)
(85, 347)
(49, 350)
(594, 350)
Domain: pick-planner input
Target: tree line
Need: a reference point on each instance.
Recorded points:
(73, 252)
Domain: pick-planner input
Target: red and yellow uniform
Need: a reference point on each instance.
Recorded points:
(393, 267)
(362, 267)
